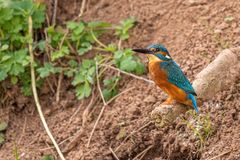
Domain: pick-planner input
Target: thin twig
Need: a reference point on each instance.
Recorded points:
(75, 140)
(54, 12)
(104, 102)
(95, 39)
(119, 44)
(34, 90)
(48, 49)
(132, 133)
(113, 98)
(50, 86)
(129, 74)
(143, 153)
(86, 111)
(98, 85)
(95, 125)
(220, 155)
(113, 153)
(78, 135)
(75, 113)
(23, 131)
(60, 143)
(59, 87)
(63, 39)
(103, 108)
(82, 8)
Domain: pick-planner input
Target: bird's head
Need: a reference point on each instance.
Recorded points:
(155, 52)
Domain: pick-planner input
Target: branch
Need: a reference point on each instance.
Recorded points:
(217, 76)
(129, 74)
(33, 81)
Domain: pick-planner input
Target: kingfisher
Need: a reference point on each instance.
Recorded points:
(167, 74)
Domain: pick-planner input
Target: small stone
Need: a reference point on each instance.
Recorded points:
(195, 2)
(229, 97)
(222, 26)
(218, 31)
(150, 99)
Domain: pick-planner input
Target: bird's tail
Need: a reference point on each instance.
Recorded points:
(194, 102)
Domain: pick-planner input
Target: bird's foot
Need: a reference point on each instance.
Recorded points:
(169, 101)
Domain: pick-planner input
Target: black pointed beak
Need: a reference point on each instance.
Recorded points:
(144, 51)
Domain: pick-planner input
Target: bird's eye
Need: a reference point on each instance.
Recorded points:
(153, 49)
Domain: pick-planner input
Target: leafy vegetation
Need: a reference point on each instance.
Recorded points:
(62, 49)
(200, 125)
(3, 127)
(47, 157)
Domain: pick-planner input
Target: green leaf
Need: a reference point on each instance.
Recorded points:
(91, 70)
(80, 91)
(118, 54)
(122, 30)
(24, 6)
(90, 79)
(69, 73)
(122, 133)
(3, 74)
(47, 70)
(111, 48)
(6, 57)
(16, 69)
(14, 80)
(5, 14)
(228, 18)
(110, 87)
(25, 81)
(99, 24)
(3, 126)
(2, 138)
(140, 68)
(87, 89)
(79, 78)
(72, 63)
(86, 63)
(128, 65)
(41, 45)
(79, 29)
(60, 53)
(26, 90)
(85, 47)
(72, 25)
(108, 94)
(47, 157)
(4, 47)
(83, 90)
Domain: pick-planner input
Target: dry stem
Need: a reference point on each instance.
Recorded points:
(34, 89)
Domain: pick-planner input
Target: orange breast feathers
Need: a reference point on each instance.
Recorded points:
(160, 77)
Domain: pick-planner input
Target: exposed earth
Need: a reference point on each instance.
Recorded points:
(194, 31)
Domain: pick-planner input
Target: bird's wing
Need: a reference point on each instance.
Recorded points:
(176, 76)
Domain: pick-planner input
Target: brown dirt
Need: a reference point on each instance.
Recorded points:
(194, 31)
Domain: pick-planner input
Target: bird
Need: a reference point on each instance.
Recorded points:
(167, 75)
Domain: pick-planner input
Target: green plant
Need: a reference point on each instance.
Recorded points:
(16, 152)
(13, 34)
(110, 87)
(47, 157)
(3, 127)
(63, 48)
(78, 39)
(123, 28)
(84, 77)
(200, 125)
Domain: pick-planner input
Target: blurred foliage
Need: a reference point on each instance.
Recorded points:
(64, 49)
